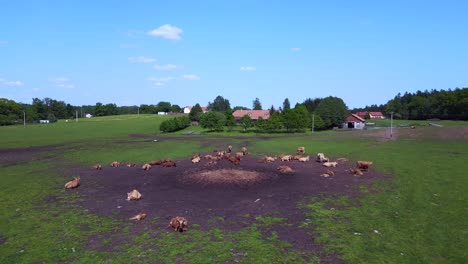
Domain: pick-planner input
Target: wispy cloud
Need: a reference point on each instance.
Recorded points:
(167, 67)
(62, 82)
(166, 31)
(11, 83)
(3, 42)
(296, 49)
(160, 79)
(248, 68)
(191, 77)
(141, 59)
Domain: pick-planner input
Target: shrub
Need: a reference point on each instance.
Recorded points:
(175, 124)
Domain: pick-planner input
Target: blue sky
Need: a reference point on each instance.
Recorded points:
(187, 52)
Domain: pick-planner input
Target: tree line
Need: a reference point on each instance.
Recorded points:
(422, 105)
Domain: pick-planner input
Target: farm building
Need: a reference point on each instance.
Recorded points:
(372, 115)
(254, 114)
(187, 109)
(88, 115)
(354, 121)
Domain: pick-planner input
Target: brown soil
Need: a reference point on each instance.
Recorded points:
(206, 191)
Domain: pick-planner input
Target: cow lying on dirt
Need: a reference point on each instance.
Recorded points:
(155, 162)
(115, 164)
(97, 167)
(196, 159)
(285, 169)
(267, 159)
(131, 165)
(321, 158)
(211, 157)
(179, 223)
(73, 183)
(356, 172)
(304, 159)
(285, 157)
(330, 164)
(168, 163)
(363, 164)
(139, 216)
(146, 167)
(300, 150)
(328, 173)
(234, 160)
(133, 195)
(239, 155)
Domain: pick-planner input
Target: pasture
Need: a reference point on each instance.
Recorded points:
(411, 207)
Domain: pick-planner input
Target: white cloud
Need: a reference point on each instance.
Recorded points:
(62, 82)
(141, 59)
(166, 31)
(191, 77)
(167, 67)
(296, 49)
(160, 79)
(248, 68)
(11, 83)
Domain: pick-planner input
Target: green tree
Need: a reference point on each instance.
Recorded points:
(240, 108)
(230, 120)
(110, 109)
(213, 121)
(286, 104)
(219, 104)
(99, 110)
(261, 124)
(274, 122)
(195, 113)
(246, 122)
(291, 120)
(304, 115)
(176, 109)
(318, 123)
(333, 111)
(256, 104)
(311, 104)
(163, 107)
(10, 112)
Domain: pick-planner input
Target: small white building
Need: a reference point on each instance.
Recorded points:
(88, 115)
(354, 121)
(162, 113)
(44, 121)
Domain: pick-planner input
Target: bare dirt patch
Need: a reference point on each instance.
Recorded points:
(226, 176)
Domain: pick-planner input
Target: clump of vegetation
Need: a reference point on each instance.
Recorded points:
(175, 124)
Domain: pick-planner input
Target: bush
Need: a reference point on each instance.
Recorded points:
(213, 121)
(175, 124)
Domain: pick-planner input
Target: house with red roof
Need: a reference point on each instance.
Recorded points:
(254, 114)
(353, 121)
(187, 109)
(376, 115)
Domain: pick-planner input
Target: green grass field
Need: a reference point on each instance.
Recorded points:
(418, 215)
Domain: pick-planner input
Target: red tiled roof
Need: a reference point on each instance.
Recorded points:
(375, 113)
(354, 118)
(254, 114)
(361, 114)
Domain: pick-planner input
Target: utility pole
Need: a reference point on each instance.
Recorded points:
(24, 118)
(76, 116)
(391, 124)
(138, 110)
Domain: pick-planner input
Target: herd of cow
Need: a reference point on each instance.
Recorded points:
(179, 223)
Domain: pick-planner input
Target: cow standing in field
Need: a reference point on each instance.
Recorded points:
(300, 150)
(229, 149)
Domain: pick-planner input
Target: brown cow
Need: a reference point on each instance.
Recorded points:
(115, 164)
(196, 159)
(179, 223)
(133, 195)
(300, 150)
(155, 162)
(304, 159)
(97, 167)
(73, 183)
(285, 169)
(363, 164)
(229, 149)
(244, 150)
(139, 216)
(131, 165)
(321, 158)
(234, 160)
(330, 164)
(169, 163)
(146, 167)
(239, 154)
(356, 172)
(211, 157)
(285, 157)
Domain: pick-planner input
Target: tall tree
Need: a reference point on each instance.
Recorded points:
(256, 104)
(213, 121)
(333, 111)
(246, 122)
(286, 104)
(195, 113)
(219, 104)
(311, 104)
(163, 107)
